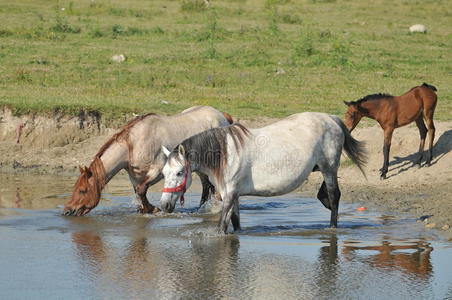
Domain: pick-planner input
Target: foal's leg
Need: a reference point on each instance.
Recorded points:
(431, 135)
(387, 145)
(423, 133)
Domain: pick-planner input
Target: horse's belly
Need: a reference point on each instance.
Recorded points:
(277, 183)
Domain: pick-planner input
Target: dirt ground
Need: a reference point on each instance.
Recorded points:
(58, 145)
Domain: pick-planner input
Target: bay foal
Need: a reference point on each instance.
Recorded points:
(391, 112)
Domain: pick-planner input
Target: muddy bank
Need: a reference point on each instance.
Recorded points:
(59, 144)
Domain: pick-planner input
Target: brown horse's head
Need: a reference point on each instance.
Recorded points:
(87, 189)
(353, 114)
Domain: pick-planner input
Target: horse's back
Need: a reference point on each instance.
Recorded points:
(207, 114)
(410, 105)
(314, 122)
(308, 134)
(148, 135)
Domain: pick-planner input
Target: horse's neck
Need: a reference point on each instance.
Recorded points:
(114, 159)
(208, 172)
(373, 108)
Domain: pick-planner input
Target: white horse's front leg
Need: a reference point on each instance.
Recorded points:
(227, 211)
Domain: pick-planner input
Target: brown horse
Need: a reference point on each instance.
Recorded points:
(392, 112)
(137, 149)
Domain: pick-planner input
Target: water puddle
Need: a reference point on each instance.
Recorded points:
(285, 250)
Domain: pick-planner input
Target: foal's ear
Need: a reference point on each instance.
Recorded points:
(166, 151)
(81, 169)
(181, 150)
(347, 103)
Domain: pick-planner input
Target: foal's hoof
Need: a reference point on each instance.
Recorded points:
(383, 177)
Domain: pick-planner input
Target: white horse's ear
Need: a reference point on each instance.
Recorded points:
(166, 151)
(181, 150)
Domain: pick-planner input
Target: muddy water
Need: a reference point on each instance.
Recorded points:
(285, 250)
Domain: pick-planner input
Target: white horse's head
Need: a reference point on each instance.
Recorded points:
(177, 173)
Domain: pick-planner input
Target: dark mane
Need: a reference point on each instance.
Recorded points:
(208, 149)
(122, 135)
(373, 97)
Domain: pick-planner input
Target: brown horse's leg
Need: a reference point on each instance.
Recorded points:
(431, 137)
(140, 192)
(386, 147)
(423, 133)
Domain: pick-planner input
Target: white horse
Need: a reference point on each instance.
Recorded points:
(269, 161)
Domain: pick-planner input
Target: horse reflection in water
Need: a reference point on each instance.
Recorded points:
(142, 267)
(154, 265)
(410, 259)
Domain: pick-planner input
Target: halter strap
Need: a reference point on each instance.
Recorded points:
(181, 187)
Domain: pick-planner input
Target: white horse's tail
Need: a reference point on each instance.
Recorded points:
(354, 149)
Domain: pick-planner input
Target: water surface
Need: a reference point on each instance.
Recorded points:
(285, 250)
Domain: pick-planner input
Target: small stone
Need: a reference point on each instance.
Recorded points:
(280, 71)
(418, 28)
(445, 227)
(431, 225)
(118, 58)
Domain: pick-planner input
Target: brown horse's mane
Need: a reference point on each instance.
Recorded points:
(96, 169)
(373, 97)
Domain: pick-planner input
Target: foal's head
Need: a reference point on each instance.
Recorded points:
(87, 189)
(353, 114)
(177, 173)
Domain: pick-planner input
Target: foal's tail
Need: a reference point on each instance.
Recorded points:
(433, 88)
(354, 149)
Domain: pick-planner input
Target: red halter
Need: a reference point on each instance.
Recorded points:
(181, 187)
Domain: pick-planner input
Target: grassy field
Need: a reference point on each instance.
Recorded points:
(250, 58)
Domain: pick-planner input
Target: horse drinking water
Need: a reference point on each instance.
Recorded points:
(137, 148)
(269, 161)
(392, 112)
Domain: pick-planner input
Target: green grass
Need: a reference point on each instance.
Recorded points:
(250, 58)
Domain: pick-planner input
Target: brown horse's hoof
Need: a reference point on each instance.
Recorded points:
(151, 209)
(76, 212)
(383, 177)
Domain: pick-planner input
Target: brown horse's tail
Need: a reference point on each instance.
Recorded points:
(354, 149)
(228, 117)
(433, 88)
